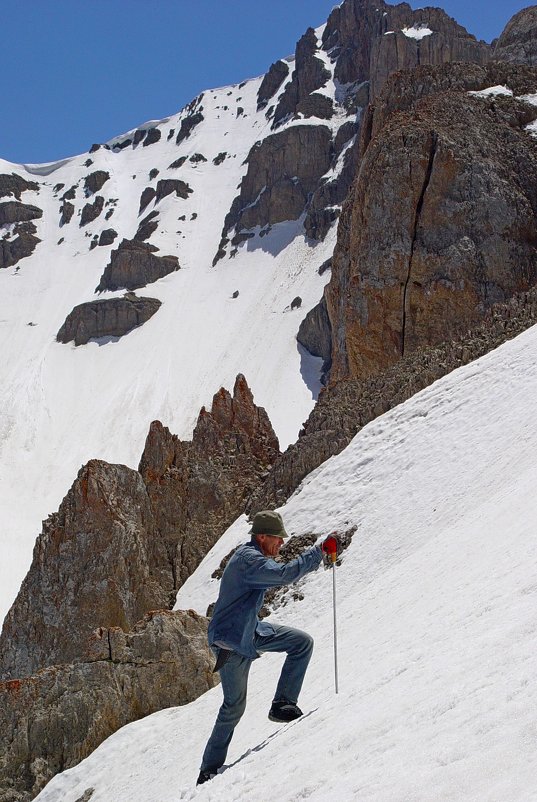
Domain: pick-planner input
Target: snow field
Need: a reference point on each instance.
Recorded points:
(64, 405)
(436, 622)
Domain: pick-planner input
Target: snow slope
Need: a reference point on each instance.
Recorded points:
(436, 622)
(63, 405)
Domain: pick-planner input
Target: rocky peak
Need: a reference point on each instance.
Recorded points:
(97, 562)
(309, 74)
(123, 541)
(518, 42)
(197, 488)
(369, 40)
(363, 43)
(272, 81)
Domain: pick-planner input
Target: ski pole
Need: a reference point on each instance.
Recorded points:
(330, 548)
(334, 556)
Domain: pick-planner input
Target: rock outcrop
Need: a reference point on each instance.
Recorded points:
(107, 236)
(309, 75)
(54, 719)
(107, 317)
(281, 177)
(518, 42)
(14, 185)
(146, 197)
(133, 265)
(15, 212)
(315, 334)
(272, 81)
(94, 182)
(91, 211)
(153, 135)
(22, 245)
(67, 210)
(369, 40)
(147, 226)
(167, 186)
(194, 117)
(201, 486)
(440, 223)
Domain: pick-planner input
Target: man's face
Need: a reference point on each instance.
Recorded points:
(270, 544)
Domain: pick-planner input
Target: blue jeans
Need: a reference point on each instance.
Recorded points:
(234, 678)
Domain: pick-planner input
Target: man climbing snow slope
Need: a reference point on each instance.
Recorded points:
(237, 636)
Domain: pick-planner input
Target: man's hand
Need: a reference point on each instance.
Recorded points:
(331, 549)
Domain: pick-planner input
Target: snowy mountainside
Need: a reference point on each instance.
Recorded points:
(436, 624)
(62, 404)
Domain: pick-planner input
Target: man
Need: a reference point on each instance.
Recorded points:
(237, 636)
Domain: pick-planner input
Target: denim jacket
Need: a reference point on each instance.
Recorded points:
(242, 589)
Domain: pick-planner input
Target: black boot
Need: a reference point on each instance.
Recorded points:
(282, 710)
(205, 776)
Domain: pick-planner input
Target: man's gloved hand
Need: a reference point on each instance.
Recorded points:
(331, 549)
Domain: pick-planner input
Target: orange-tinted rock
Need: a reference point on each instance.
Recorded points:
(439, 225)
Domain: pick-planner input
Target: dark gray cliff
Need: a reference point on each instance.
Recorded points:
(518, 42)
(110, 317)
(134, 264)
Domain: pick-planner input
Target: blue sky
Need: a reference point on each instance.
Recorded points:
(75, 72)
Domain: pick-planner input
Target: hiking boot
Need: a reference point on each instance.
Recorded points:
(282, 710)
(205, 776)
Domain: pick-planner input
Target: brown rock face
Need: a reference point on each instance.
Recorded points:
(133, 265)
(324, 204)
(198, 488)
(439, 226)
(518, 42)
(54, 719)
(98, 562)
(315, 333)
(365, 42)
(110, 317)
(395, 51)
